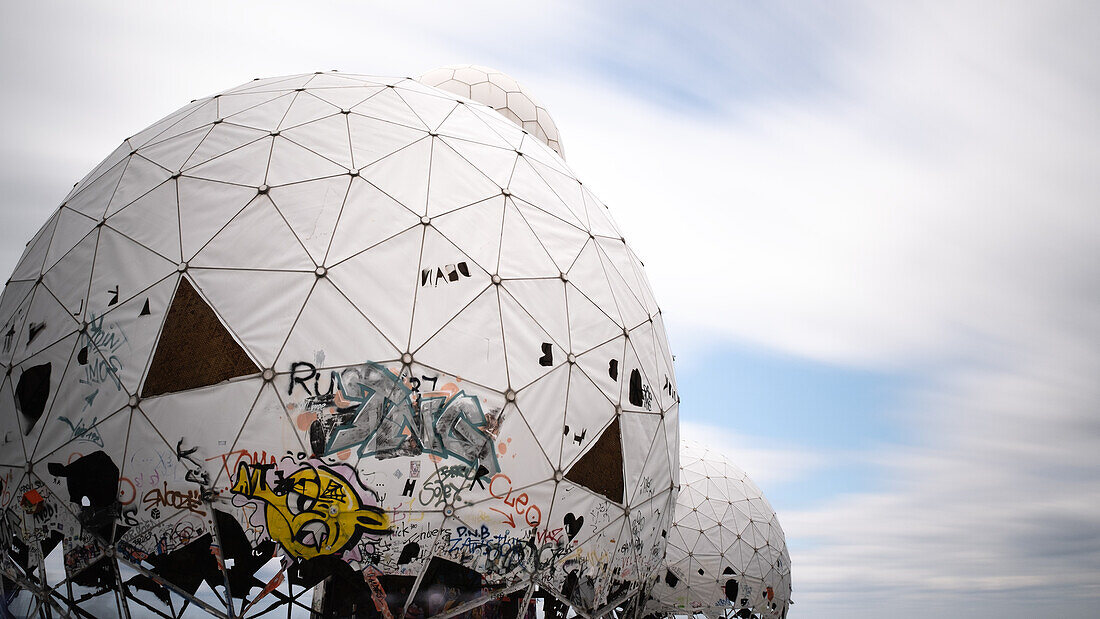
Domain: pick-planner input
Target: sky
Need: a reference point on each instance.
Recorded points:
(873, 228)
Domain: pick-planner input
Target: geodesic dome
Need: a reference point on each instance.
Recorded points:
(503, 94)
(726, 554)
(337, 343)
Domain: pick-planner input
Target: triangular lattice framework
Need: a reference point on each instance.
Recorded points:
(373, 246)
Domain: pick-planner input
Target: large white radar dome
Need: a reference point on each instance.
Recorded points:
(727, 555)
(336, 343)
(502, 93)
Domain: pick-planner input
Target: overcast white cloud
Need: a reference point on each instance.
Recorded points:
(935, 212)
(901, 186)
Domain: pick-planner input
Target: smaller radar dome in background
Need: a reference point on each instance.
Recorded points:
(727, 555)
(502, 93)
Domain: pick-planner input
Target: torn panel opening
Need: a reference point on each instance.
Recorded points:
(195, 349)
(601, 468)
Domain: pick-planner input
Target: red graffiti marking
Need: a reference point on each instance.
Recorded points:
(232, 460)
(548, 535)
(126, 491)
(500, 487)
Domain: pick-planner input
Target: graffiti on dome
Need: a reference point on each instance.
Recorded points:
(385, 415)
(433, 276)
(312, 509)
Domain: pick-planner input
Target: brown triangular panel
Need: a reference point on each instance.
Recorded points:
(601, 469)
(195, 349)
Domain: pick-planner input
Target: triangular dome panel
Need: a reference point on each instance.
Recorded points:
(311, 209)
(561, 240)
(262, 320)
(195, 349)
(47, 322)
(150, 134)
(373, 139)
(261, 228)
(205, 207)
(403, 175)
(544, 300)
(449, 281)
(470, 345)
(223, 137)
(531, 352)
(542, 404)
(141, 177)
(494, 162)
(462, 124)
(32, 261)
(454, 182)
(589, 326)
(588, 275)
(343, 97)
(122, 269)
(265, 116)
(71, 228)
(383, 268)
(246, 165)
(172, 154)
(367, 217)
(325, 343)
(92, 199)
(88, 393)
(35, 382)
(521, 252)
(529, 187)
(604, 366)
(431, 109)
(292, 163)
(152, 221)
(127, 332)
(328, 137)
(306, 108)
(68, 279)
(587, 412)
(476, 230)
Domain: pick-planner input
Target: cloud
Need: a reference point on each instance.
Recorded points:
(899, 186)
(933, 211)
(895, 219)
(766, 460)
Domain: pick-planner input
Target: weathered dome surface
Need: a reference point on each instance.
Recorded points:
(727, 555)
(335, 328)
(502, 93)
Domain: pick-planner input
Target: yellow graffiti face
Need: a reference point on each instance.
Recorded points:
(313, 512)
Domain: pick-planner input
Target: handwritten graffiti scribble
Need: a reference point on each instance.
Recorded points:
(107, 339)
(449, 273)
(82, 431)
(445, 485)
(313, 511)
(190, 500)
(500, 487)
(370, 407)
